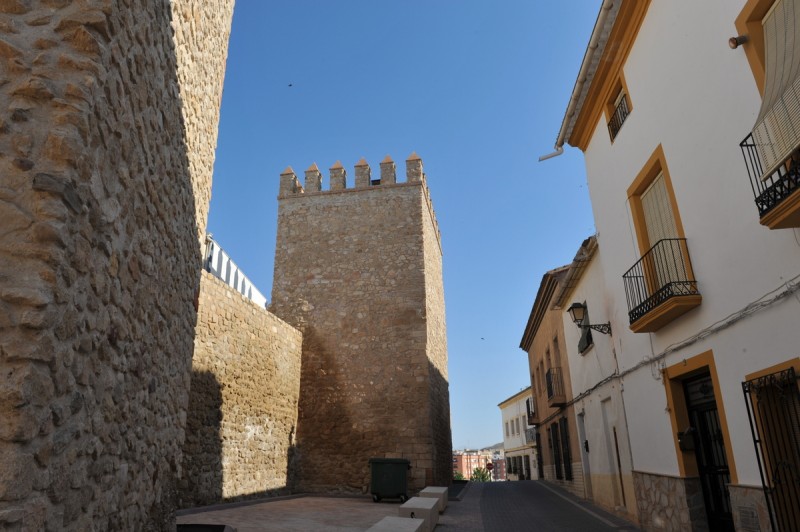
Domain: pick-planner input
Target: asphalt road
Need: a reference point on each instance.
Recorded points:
(531, 505)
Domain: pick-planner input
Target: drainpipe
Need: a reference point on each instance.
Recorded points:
(581, 81)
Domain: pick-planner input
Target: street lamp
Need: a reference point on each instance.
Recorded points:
(577, 312)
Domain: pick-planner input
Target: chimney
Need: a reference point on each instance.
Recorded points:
(388, 171)
(338, 176)
(363, 174)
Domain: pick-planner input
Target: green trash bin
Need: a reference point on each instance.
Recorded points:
(389, 478)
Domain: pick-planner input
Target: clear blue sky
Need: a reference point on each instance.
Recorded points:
(478, 89)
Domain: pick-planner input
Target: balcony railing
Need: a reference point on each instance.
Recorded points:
(777, 196)
(555, 387)
(660, 286)
(618, 118)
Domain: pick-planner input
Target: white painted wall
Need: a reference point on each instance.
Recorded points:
(515, 412)
(518, 444)
(599, 397)
(697, 98)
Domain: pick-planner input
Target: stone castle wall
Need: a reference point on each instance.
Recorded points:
(107, 141)
(243, 402)
(441, 462)
(357, 272)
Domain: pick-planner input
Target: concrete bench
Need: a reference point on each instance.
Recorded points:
(421, 508)
(398, 524)
(436, 492)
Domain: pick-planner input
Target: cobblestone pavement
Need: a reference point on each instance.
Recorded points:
(488, 507)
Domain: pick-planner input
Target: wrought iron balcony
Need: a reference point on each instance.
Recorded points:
(777, 195)
(555, 388)
(660, 286)
(618, 118)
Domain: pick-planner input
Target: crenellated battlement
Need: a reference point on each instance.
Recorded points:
(290, 184)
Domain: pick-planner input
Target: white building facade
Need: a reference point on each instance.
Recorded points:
(698, 281)
(519, 438)
(599, 404)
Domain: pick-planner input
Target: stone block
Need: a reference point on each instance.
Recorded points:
(421, 508)
(436, 492)
(398, 524)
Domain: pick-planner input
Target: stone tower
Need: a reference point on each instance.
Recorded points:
(359, 271)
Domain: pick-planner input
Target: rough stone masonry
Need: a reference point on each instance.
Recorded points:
(359, 272)
(107, 136)
(242, 416)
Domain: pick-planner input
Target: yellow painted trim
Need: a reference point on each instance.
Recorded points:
(749, 23)
(785, 215)
(657, 163)
(792, 363)
(679, 414)
(619, 85)
(620, 41)
(666, 312)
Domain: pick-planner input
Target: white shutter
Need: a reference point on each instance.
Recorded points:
(658, 215)
(776, 132)
(662, 265)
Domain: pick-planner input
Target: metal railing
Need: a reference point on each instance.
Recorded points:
(555, 384)
(662, 273)
(219, 264)
(530, 436)
(618, 118)
(773, 409)
(776, 187)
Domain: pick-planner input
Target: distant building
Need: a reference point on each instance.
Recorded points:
(519, 437)
(498, 465)
(466, 461)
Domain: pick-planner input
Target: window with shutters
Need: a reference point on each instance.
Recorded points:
(661, 285)
(772, 150)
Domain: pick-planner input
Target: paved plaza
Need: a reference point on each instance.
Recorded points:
(488, 507)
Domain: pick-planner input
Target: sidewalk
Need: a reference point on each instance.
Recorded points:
(484, 507)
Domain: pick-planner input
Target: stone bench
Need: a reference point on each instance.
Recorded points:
(421, 508)
(398, 524)
(436, 492)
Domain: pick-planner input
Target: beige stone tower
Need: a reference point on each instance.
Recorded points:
(359, 271)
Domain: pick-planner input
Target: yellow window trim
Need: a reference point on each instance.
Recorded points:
(655, 165)
(617, 91)
(679, 414)
(620, 41)
(793, 363)
(749, 23)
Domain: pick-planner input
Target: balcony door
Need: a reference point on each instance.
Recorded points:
(658, 216)
(660, 225)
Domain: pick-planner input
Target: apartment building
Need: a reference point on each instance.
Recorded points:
(688, 115)
(519, 436)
